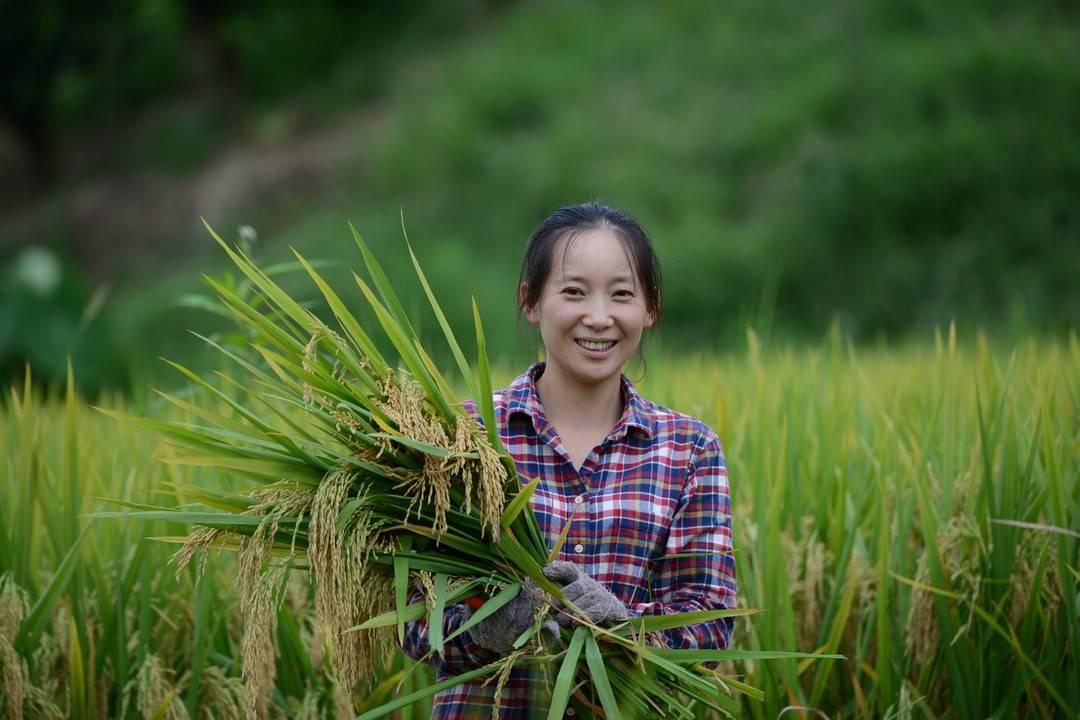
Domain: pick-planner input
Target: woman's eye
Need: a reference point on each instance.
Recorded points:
(571, 291)
(624, 293)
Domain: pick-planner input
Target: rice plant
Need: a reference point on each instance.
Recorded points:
(914, 509)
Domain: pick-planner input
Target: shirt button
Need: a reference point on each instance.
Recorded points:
(579, 499)
(571, 712)
(579, 548)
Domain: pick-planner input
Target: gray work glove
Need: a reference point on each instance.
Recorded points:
(498, 631)
(593, 599)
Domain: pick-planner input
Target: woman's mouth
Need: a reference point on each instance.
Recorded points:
(596, 346)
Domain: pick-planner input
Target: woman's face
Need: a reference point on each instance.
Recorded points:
(591, 310)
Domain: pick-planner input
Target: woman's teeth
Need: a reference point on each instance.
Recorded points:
(599, 346)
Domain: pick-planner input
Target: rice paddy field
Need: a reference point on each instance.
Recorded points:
(915, 509)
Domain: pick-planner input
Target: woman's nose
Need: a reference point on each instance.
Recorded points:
(598, 314)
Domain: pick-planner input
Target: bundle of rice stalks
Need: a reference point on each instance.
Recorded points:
(370, 476)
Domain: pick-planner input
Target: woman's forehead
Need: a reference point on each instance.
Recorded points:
(592, 255)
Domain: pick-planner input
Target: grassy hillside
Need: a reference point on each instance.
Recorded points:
(890, 165)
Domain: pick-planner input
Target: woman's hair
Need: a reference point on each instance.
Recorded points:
(571, 221)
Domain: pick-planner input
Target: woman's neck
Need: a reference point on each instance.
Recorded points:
(567, 403)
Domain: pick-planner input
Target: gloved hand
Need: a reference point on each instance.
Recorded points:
(498, 631)
(593, 599)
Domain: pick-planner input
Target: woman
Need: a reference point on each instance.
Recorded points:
(637, 482)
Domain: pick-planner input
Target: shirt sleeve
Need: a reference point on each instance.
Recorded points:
(701, 526)
(459, 655)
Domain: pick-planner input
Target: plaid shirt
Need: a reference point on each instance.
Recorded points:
(656, 486)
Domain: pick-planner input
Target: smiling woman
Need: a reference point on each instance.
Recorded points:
(634, 495)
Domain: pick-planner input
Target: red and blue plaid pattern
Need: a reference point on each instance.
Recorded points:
(657, 486)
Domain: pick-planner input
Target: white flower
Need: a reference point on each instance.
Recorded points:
(37, 269)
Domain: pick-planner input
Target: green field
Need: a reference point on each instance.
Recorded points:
(914, 509)
(905, 494)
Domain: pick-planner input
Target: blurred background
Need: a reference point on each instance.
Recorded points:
(883, 167)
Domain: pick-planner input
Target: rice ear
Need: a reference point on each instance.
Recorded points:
(347, 589)
(14, 606)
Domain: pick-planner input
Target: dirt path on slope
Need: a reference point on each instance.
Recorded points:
(136, 221)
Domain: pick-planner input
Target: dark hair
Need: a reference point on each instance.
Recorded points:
(572, 220)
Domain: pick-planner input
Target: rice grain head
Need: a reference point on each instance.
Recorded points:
(221, 697)
(963, 553)
(502, 677)
(151, 688)
(38, 704)
(258, 608)
(347, 590)
(199, 539)
(14, 606)
(807, 562)
(404, 403)
(1032, 549)
(343, 704)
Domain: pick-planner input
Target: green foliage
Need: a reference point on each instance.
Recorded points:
(47, 317)
(888, 165)
(893, 167)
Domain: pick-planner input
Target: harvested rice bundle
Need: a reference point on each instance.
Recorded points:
(371, 477)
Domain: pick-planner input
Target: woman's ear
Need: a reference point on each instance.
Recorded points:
(650, 318)
(530, 310)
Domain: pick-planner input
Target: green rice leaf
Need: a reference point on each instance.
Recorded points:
(268, 469)
(382, 284)
(599, 674)
(292, 309)
(426, 448)
(435, 617)
(564, 682)
(483, 384)
(689, 682)
(436, 374)
(495, 602)
(519, 503)
(348, 321)
(402, 340)
(524, 637)
(553, 554)
(409, 613)
(749, 690)
(656, 623)
(76, 673)
(218, 520)
(684, 657)
(416, 610)
(451, 340)
(468, 546)
(401, 584)
(291, 341)
(428, 691)
(43, 607)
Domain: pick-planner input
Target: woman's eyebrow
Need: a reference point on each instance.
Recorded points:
(580, 279)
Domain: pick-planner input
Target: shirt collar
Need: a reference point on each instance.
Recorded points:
(523, 398)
